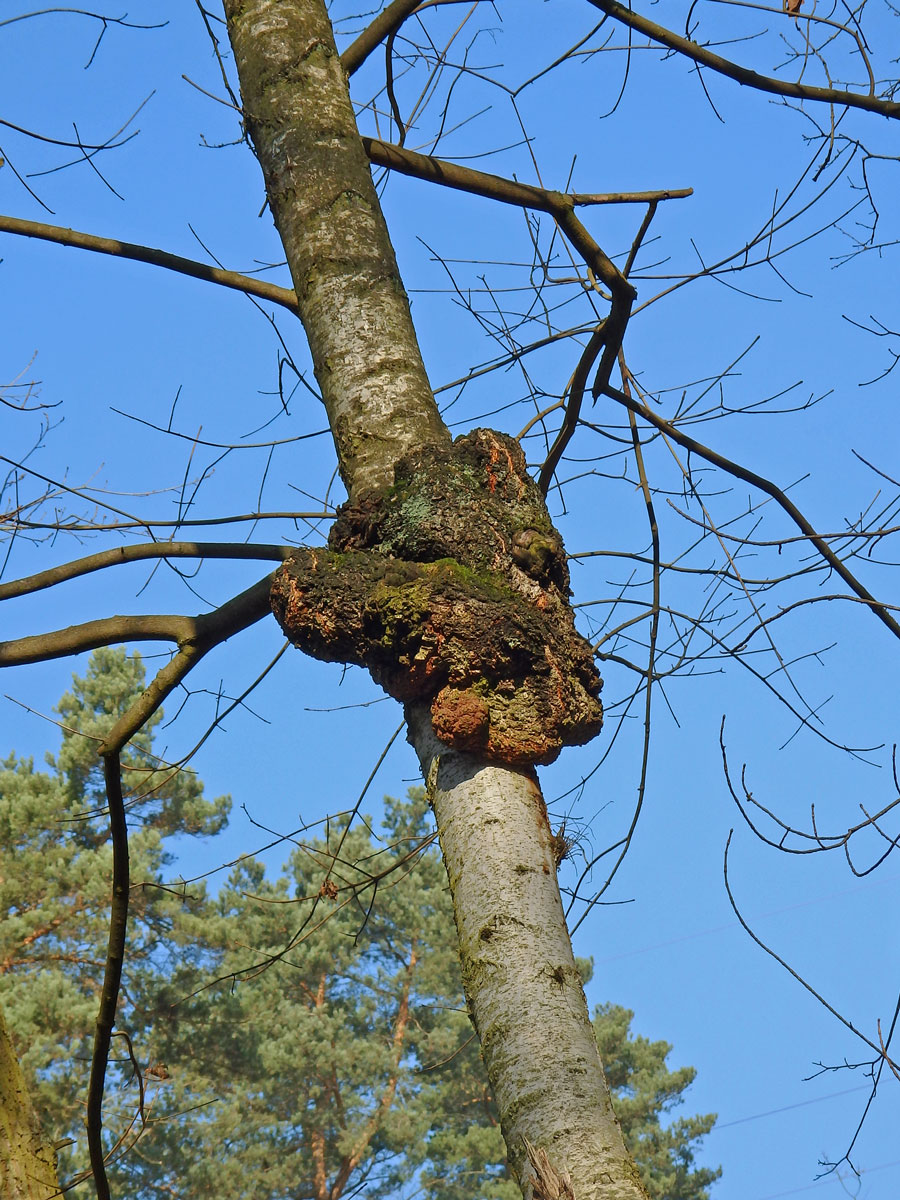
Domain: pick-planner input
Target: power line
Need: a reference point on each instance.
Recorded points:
(772, 912)
(862, 1087)
(821, 1182)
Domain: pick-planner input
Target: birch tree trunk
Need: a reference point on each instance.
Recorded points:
(446, 579)
(27, 1162)
(353, 307)
(522, 985)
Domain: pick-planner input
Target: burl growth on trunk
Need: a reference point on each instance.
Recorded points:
(452, 587)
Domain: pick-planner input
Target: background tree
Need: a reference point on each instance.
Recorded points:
(480, 682)
(55, 900)
(27, 1158)
(348, 1063)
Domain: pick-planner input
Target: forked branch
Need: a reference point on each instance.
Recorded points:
(201, 632)
(840, 568)
(743, 75)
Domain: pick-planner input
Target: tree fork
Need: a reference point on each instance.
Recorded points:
(522, 985)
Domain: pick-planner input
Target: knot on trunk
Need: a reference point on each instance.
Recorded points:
(452, 587)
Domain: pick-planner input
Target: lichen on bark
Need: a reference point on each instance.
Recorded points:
(451, 587)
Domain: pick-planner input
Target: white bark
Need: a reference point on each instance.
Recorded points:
(351, 298)
(522, 985)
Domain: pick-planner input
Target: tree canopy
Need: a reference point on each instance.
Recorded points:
(348, 1061)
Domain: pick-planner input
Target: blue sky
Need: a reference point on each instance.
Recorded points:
(111, 335)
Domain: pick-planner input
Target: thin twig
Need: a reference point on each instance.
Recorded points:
(790, 970)
(764, 485)
(115, 955)
(743, 75)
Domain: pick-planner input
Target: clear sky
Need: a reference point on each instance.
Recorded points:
(115, 343)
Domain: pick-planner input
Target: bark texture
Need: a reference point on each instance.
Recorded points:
(522, 985)
(445, 577)
(27, 1161)
(354, 309)
(452, 587)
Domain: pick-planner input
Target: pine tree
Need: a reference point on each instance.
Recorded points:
(54, 890)
(302, 1035)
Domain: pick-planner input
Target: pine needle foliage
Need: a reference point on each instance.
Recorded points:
(302, 1035)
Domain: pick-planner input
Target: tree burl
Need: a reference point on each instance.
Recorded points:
(452, 588)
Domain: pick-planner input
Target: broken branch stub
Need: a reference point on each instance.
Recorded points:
(452, 587)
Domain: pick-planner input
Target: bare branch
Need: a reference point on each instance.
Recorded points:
(650, 673)
(115, 956)
(558, 204)
(107, 631)
(496, 187)
(201, 632)
(764, 485)
(790, 970)
(588, 357)
(163, 684)
(137, 553)
(743, 75)
(371, 37)
(814, 842)
(147, 254)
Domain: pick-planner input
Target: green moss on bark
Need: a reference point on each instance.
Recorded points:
(451, 587)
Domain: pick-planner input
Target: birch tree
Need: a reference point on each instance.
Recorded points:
(444, 575)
